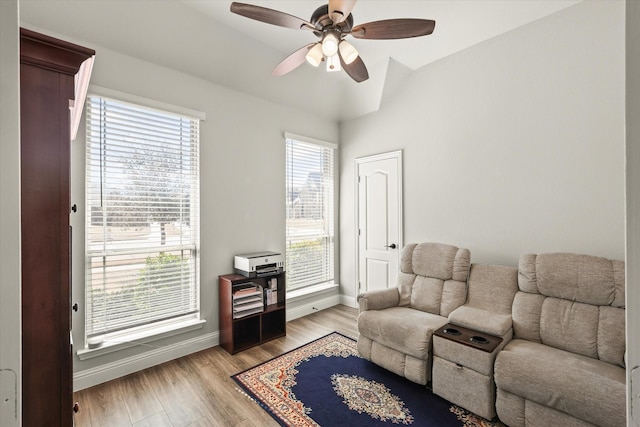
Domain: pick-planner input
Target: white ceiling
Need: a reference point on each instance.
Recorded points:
(204, 39)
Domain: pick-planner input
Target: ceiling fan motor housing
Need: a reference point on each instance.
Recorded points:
(322, 21)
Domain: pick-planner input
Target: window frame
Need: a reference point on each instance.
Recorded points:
(115, 340)
(331, 223)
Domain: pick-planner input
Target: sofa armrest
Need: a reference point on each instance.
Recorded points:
(379, 300)
(481, 320)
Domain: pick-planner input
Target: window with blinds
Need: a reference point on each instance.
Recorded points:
(310, 212)
(142, 225)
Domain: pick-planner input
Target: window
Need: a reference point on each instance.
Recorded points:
(142, 226)
(310, 213)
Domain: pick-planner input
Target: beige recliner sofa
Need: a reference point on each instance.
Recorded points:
(565, 365)
(395, 325)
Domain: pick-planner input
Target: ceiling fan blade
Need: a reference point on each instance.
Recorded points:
(394, 29)
(356, 70)
(292, 61)
(270, 16)
(339, 10)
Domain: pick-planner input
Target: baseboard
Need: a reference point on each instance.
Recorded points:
(348, 301)
(312, 306)
(109, 371)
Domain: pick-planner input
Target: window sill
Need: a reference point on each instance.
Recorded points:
(115, 343)
(309, 291)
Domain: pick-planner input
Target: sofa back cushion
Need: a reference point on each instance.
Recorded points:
(492, 288)
(572, 302)
(433, 277)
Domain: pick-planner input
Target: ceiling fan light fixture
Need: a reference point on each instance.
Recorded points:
(331, 22)
(348, 52)
(333, 63)
(315, 55)
(330, 44)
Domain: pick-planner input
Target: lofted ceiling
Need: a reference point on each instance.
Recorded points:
(204, 39)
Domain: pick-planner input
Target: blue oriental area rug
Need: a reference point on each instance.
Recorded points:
(326, 383)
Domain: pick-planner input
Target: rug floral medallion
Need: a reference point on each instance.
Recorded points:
(326, 383)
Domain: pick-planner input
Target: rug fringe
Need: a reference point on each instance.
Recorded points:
(245, 394)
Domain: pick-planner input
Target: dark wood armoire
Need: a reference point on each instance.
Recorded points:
(47, 72)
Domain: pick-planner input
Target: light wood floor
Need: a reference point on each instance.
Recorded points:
(197, 390)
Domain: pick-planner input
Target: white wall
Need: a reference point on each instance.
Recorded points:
(10, 355)
(633, 200)
(242, 175)
(515, 145)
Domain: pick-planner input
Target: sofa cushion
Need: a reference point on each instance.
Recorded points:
(481, 320)
(433, 277)
(406, 258)
(404, 329)
(454, 293)
(434, 260)
(611, 339)
(405, 288)
(581, 386)
(572, 302)
(581, 278)
(570, 326)
(526, 315)
(516, 411)
(492, 287)
(427, 294)
(437, 296)
(490, 294)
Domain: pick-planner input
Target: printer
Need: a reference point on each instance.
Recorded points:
(257, 264)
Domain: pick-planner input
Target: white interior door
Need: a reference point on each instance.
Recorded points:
(379, 220)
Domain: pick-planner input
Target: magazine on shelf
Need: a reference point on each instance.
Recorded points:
(249, 305)
(240, 287)
(247, 299)
(246, 292)
(245, 313)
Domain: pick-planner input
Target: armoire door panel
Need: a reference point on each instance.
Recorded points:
(47, 70)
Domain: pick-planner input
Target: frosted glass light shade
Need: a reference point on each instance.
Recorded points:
(329, 44)
(348, 52)
(315, 56)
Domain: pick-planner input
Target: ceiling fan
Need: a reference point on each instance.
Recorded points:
(331, 23)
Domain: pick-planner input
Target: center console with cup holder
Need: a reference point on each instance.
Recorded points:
(463, 368)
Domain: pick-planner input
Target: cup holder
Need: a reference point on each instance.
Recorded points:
(451, 331)
(479, 340)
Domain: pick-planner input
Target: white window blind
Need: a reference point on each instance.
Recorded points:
(142, 226)
(310, 213)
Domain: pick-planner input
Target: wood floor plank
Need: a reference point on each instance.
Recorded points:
(107, 407)
(83, 416)
(197, 390)
(157, 420)
(139, 397)
(174, 394)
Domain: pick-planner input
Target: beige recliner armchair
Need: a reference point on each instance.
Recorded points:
(395, 325)
(565, 365)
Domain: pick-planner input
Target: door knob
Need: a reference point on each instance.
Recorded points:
(392, 246)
